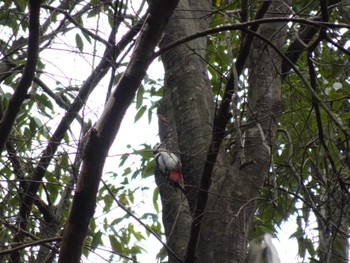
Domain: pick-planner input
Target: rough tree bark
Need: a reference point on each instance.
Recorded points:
(240, 185)
(186, 122)
(185, 117)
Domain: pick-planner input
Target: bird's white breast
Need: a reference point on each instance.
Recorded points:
(167, 161)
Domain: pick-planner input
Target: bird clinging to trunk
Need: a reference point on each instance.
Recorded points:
(169, 166)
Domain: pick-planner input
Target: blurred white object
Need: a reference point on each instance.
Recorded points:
(264, 252)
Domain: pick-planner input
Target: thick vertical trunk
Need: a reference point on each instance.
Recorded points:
(188, 88)
(228, 220)
(185, 117)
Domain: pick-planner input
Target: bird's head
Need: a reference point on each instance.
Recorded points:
(156, 148)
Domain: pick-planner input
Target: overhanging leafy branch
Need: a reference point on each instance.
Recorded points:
(101, 70)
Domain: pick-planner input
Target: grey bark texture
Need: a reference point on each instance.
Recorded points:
(185, 121)
(185, 117)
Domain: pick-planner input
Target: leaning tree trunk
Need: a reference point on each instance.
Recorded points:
(186, 122)
(102, 134)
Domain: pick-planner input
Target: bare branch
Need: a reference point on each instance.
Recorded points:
(245, 25)
(74, 22)
(29, 244)
(102, 135)
(126, 210)
(26, 80)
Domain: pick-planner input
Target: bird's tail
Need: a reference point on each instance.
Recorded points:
(176, 178)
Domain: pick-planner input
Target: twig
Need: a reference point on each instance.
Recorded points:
(302, 78)
(29, 244)
(126, 210)
(245, 25)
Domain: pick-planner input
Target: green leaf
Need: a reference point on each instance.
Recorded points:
(152, 216)
(345, 116)
(150, 114)
(51, 186)
(162, 254)
(44, 103)
(23, 4)
(87, 37)
(110, 17)
(123, 159)
(79, 20)
(93, 12)
(115, 244)
(136, 250)
(126, 171)
(138, 236)
(34, 124)
(139, 113)
(79, 42)
(139, 96)
(96, 239)
(148, 170)
(155, 199)
(108, 200)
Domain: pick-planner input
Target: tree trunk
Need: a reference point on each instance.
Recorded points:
(188, 89)
(185, 117)
(101, 136)
(186, 124)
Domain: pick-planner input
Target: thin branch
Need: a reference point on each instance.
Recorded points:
(304, 81)
(245, 25)
(309, 200)
(118, 17)
(6, 69)
(126, 210)
(59, 101)
(29, 244)
(303, 39)
(25, 233)
(338, 46)
(24, 84)
(14, 158)
(72, 112)
(74, 22)
(313, 84)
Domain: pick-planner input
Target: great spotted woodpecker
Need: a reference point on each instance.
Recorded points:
(169, 166)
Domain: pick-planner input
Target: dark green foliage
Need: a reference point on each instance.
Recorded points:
(308, 183)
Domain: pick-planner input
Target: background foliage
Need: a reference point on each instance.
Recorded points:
(309, 171)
